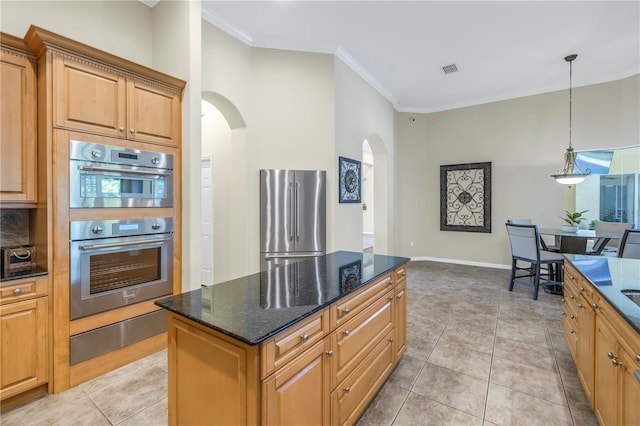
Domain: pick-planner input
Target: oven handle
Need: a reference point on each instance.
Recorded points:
(131, 171)
(126, 243)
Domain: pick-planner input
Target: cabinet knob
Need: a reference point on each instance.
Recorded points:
(581, 289)
(391, 340)
(122, 129)
(390, 282)
(346, 389)
(345, 310)
(17, 291)
(346, 332)
(615, 362)
(638, 357)
(390, 297)
(329, 353)
(572, 331)
(594, 305)
(305, 337)
(573, 316)
(610, 355)
(580, 305)
(132, 131)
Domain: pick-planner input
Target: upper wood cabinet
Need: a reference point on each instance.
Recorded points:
(93, 98)
(18, 129)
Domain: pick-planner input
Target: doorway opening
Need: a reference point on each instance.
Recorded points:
(367, 198)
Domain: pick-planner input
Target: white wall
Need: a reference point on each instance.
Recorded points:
(122, 28)
(362, 113)
(524, 139)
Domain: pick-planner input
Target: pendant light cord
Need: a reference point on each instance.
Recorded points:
(570, 98)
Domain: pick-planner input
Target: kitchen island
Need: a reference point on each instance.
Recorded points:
(306, 343)
(602, 331)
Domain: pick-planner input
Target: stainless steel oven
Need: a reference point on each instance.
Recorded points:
(110, 176)
(114, 263)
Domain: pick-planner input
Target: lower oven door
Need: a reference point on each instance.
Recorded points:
(113, 272)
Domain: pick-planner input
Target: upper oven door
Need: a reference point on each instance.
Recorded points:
(96, 185)
(113, 272)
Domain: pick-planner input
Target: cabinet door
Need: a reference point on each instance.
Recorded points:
(630, 388)
(88, 98)
(23, 348)
(606, 400)
(153, 115)
(298, 394)
(586, 346)
(17, 132)
(401, 319)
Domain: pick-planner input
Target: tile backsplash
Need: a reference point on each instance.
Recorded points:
(14, 227)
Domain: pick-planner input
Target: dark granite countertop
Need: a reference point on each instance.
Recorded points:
(24, 273)
(254, 308)
(610, 275)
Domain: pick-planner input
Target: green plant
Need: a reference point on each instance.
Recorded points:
(592, 224)
(573, 219)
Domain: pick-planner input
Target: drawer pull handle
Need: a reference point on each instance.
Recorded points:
(17, 291)
(571, 296)
(610, 355)
(581, 289)
(638, 357)
(329, 353)
(400, 294)
(580, 305)
(346, 389)
(305, 337)
(346, 332)
(594, 305)
(345, 310)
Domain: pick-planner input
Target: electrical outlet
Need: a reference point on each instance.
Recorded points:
(411, 244)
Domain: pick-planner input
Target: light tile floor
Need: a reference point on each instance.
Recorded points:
(478, 355)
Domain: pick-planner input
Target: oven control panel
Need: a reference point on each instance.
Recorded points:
(91, 229)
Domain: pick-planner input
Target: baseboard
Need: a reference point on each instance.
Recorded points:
(463, 262)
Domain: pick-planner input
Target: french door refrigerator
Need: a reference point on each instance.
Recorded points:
(292, 216)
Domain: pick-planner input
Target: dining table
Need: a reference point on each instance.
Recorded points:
(600, 238)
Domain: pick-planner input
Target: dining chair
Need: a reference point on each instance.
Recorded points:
(575, 245)
(528, 222)
(630, 244)
(616, 229)
(525, 247)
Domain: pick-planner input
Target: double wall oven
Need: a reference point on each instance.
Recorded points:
(122, 261)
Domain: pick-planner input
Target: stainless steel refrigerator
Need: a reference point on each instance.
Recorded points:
(293, 206)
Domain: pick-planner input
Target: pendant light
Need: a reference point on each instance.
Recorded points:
(571, 173)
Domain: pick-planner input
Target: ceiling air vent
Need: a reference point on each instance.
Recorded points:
(450, 68)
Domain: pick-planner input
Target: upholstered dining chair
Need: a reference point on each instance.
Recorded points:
(614, 229)
(525, 247)
(630, 244)
(528, 222)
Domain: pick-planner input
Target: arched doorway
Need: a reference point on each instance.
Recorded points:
(380, 186)
(368, 205)
(224, 202)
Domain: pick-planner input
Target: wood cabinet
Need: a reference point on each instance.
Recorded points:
(298, 394)
(325, 369)
(94, 98)
(24, 336)
(18, 130)
(606, 350)
(580, 327)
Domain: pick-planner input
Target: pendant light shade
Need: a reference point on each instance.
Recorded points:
(571, 173)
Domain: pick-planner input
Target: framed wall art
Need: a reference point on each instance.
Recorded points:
(350, 178)
(465, 197)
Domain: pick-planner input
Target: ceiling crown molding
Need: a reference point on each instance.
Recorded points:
(227, 27)
(345, 57)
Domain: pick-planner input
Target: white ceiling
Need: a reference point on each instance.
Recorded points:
(502, 49)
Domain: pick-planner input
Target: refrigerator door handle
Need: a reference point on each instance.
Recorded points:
(291, 255)
(290, 212)
(297, 211)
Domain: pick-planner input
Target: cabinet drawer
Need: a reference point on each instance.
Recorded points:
(574, 280)
(353, 394)
(285, 346)
(401, 273)
(350, 306)
(23, 289)
(355, 339)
